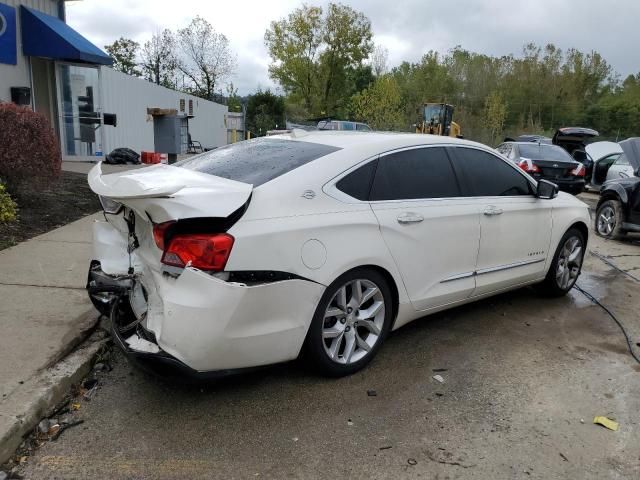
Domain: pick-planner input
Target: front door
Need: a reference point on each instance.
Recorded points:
(432, 233)
(515, 226)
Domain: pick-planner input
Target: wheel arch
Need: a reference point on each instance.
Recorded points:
(391, 281)
(613, 192)
(582, 228)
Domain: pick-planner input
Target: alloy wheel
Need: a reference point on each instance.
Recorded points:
(353, 321)
(606, 221)
(569, 263)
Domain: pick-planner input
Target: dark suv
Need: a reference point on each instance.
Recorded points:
(618, 210)
(550, 162)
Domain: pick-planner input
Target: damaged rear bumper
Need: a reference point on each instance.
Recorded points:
(198, 325)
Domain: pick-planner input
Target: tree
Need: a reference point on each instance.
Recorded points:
(312, 55)
(495, 113)
(265, 111)
(124, 52)
(159, 60)
(294, 45)
(206, 59)
(379, 60)
(380, 105)
(234, 102)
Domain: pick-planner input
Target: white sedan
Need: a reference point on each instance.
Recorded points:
(319, 242)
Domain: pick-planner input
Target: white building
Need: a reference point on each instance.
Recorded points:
(47, 65)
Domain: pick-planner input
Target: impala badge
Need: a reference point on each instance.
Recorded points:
(308, 194)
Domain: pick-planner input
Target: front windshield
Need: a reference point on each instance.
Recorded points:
(536, 151)
(432, 113)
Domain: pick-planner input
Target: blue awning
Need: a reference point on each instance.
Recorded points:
(47, 36)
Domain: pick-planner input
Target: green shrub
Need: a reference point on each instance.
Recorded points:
(8, 208)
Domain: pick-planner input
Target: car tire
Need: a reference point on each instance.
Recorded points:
(566, 265)
(609, 218)
(348, 328)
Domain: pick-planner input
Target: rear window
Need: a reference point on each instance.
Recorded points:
(536, 151)
(256, 161)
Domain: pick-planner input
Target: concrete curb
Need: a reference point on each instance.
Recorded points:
(25, 407)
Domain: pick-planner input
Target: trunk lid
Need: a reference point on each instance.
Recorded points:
(631, 148)
(164, 192)
(573, 138)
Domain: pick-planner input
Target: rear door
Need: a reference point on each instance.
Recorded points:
(515, 226)
(431, 231)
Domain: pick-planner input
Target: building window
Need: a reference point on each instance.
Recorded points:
(190, 107)
(182, 104)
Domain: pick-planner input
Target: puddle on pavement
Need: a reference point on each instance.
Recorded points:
(594, 284)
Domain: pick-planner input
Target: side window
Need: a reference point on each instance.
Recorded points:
(358, 183)
(416, 173)
(489, 176)
(362, 127)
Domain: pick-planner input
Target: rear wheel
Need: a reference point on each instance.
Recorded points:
(609, 219)
(566, 265)
(350, 323)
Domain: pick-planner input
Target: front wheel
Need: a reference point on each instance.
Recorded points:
(609, 219)
(566, 265)
(350, 323)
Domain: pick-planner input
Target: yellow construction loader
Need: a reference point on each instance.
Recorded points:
(437, 119)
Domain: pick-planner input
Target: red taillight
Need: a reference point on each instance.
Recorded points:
(528, 166)
(579, 171)
(159, 233)
(206, 251)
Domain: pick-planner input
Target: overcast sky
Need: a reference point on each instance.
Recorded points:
(408, 28)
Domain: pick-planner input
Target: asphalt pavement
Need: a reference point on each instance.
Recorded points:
(524, 377)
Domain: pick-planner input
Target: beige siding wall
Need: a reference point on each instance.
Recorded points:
(18, 75)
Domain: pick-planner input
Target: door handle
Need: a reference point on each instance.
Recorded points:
(410, 217)
(492, 210)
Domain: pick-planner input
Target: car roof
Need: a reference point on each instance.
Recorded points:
(540, 144)
(381, 140)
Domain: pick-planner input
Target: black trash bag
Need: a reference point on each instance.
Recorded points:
(120, 156)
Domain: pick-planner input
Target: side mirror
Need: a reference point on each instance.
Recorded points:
(546, 189)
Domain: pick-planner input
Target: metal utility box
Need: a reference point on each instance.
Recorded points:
(171, 134)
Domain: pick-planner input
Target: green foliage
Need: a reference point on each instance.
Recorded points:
(495, 114)
(124, 52)
(265, 111)
(313, 52)
(159, 59)
(234, 102)
(8, 208)
(380, 105)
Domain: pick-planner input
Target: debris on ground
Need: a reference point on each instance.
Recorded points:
(442, 455)
(564, 457)
(3, 475)
(349, 422)
(386, 447)
(438, 378)
(607, 423)
(372, 393)
(412, 461)
(436, 370)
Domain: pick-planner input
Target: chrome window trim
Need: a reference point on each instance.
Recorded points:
(484, 271)
(332, 190)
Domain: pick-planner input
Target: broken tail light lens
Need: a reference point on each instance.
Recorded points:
(528, 166)
(205, 251)
(579, 171)
(109, 205)
(160, 233)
